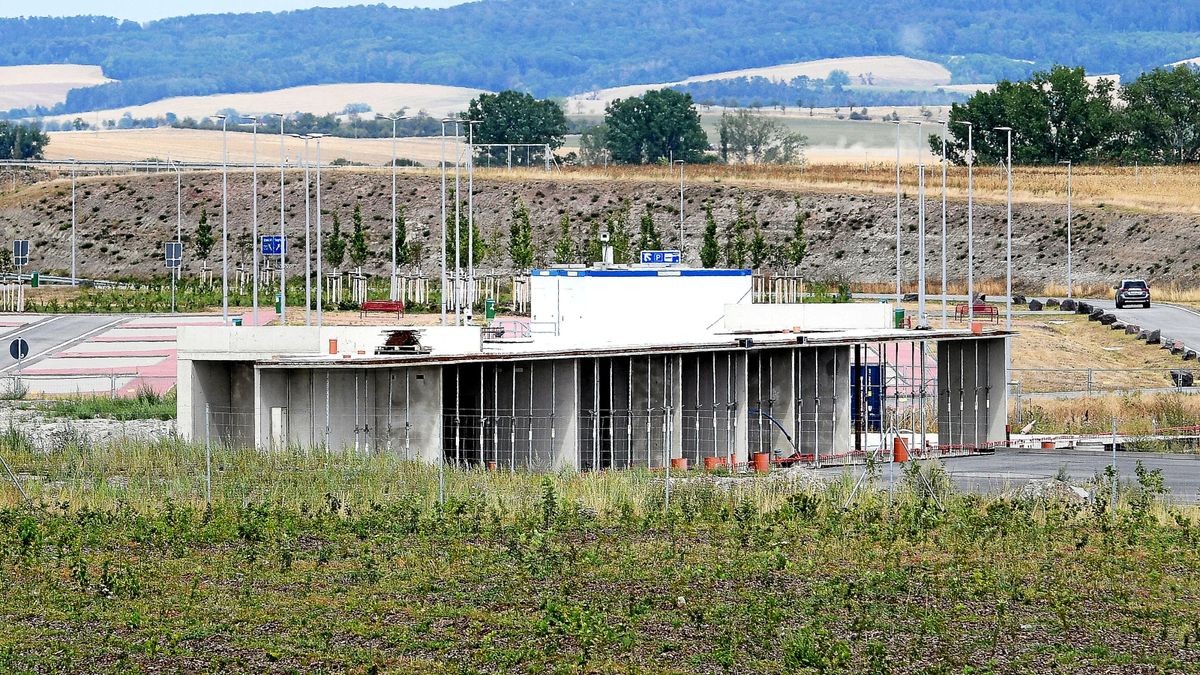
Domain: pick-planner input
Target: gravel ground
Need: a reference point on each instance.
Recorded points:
(47, 432)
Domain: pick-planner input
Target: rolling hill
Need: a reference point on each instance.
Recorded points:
(559, 49)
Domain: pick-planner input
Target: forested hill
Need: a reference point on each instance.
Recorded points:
(558, 47)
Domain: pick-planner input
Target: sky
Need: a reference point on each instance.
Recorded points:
(148, 10)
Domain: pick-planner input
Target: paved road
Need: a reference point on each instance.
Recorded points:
(53, 334)
(1176, 322)
(1006, 469)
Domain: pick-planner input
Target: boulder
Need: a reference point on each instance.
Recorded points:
(1165, 343)
(1153, 337)
(1182, 378)
(1177, 348)
(1035, 305)
(910, 297)
(1131, 329)
(1107, 319)
(1095, 314)
(1052, 302)
(1189, 355)
(1117, 325)
(1018, 299)
(1143, 335)
(1083, 308)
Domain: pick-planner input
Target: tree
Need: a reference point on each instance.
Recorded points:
(619, 237)
(736, 246)
(1057, 116)
(335, 244)
(1161, 122)
(593, 249)
(649, 240)
(657, 126)
(797, 248)
(21, 141)
(204, 236)
(747, 138)
(515, 117)
(465, 244)
(403, 252)
(759, 250)
(564, 248)
(592, 145)
(520, 241)
(358, 240)
(709, 250)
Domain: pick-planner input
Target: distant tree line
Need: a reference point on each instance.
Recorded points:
(346, 125)
(22, 141)
(563, 48)
(1058, 115)
(805, 92)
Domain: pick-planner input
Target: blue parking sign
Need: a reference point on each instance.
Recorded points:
(273, 245)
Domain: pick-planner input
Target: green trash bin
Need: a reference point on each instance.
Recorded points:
(237, 320)
(898, 318)
(35, 280)
(489, 309)
(279, 303)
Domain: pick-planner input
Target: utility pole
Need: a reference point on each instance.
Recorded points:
(392, 290)
(254, 248)
(1070, 280)
(442, 165)
(922, 319)
(282, 234)
(224, 218)
(681, 163)
(970, 220)
(74, 276)
(898, 294)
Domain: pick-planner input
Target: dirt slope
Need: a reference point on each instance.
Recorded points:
(123, 220)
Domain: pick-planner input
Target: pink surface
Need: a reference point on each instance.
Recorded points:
(132, 338)
(165, 352)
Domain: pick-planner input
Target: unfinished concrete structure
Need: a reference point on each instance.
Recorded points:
(617, 368)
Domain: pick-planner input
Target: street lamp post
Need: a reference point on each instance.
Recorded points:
(320, 269)
(970, 220)
(442, 165)
(254, 218)
(282, 235)
(680, 163)
(898, 295)
(307, 237)
(470, 219)
(178, 227)
(224, 218)
(74, 276)
(457, 233)
(1070, 279)
(392, 292)
(1008, 268)
(945, 127)
(922, 321)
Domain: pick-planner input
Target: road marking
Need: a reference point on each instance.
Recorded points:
(63, 345)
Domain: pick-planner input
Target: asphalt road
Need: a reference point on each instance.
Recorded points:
(1009, 469)
(53, 334)
(1175, 322)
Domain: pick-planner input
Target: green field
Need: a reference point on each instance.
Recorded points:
(308, 563)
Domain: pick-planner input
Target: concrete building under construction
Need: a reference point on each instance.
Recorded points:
(617, 366)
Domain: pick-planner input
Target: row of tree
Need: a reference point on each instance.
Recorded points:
(1060, 115)
(22, 141)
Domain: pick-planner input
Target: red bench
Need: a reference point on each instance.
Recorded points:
(396, 306)
(963, 311)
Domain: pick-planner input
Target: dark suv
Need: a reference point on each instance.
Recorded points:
(1133, 292)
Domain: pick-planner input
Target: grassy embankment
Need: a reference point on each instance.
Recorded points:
(316, 562)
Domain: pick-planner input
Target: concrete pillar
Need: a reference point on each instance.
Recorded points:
(782, 399)
(741, 415)
(565, 446)
(997, 390)
(675, 394)
(945, 431)
(545, 386)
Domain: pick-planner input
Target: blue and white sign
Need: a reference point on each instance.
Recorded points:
(173, 254)
(661, 257)
(21, 252)
(18, 349)
(273, 245)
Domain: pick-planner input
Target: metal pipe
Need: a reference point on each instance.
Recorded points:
(254, 247)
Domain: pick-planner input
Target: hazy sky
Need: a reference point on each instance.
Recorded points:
(148, 10)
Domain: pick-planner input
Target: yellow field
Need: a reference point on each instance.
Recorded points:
(192, 145)
(46, 85)
(321, 99)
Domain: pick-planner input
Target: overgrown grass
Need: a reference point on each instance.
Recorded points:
(314, 562)
(147, 404)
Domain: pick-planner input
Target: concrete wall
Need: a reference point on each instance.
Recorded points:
(743, 317)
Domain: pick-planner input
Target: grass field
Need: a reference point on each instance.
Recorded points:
(348, 563)
(44, 85)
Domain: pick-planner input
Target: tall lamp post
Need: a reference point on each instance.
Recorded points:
(680, 163)
(970, 219)
(898, 295)
(1008, 266)
(282, 234)
(74, 276)
(224, 218)
(307, 236)
(922, 320)
(254, 248)
(1070, 279)
(442, 165)
(320, 269)
(945, 127)
(178, 224)
(392, 292)
(470, 294)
